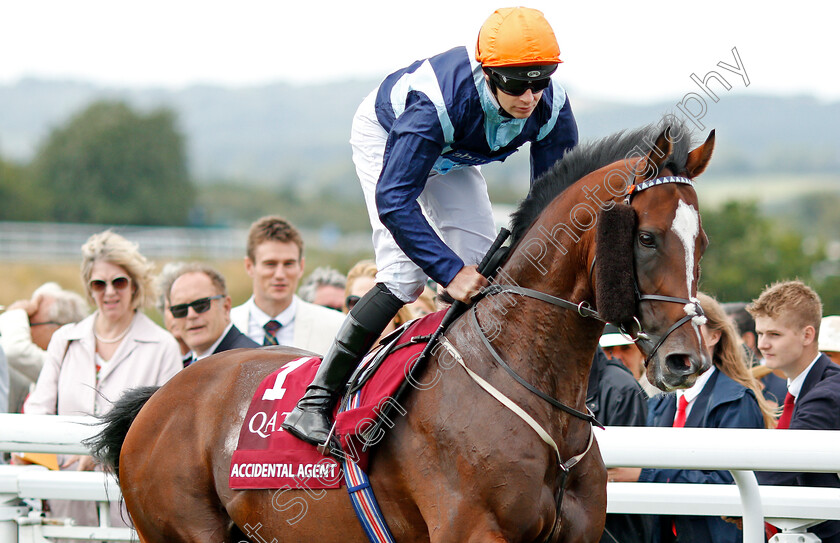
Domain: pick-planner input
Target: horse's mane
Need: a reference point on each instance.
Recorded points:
(590, 156)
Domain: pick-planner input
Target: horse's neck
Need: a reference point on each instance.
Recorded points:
(549, 345)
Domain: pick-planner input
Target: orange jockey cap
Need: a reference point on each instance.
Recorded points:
(517, 37)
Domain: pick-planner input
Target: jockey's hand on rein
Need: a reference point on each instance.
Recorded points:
(466, 284)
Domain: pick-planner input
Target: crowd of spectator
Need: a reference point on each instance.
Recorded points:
(58, 357)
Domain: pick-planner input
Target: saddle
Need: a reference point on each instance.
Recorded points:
(374, 387)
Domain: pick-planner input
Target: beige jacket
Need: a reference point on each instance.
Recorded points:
(315, 326)
(68, 384)
(16, 340)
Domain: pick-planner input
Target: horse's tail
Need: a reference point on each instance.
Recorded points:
(107, 444)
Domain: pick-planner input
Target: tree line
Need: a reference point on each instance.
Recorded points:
(108, 164)
(111, 164)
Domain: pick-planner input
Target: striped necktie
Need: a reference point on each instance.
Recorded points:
(271, 328)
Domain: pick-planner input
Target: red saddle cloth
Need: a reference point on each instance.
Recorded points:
(266, 456)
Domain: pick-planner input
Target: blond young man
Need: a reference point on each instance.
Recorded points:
(787, 322)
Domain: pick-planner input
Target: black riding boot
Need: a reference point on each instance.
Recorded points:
(310, 420)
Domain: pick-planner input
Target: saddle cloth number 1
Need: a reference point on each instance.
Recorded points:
(277, 391)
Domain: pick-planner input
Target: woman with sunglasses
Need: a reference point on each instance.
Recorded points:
(418, 141)
(91, 363)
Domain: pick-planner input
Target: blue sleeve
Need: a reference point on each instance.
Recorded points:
(818, 410)
(414, 144)
(550, 149)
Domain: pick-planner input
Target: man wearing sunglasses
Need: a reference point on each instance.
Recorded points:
(198, 298)
(418, 141)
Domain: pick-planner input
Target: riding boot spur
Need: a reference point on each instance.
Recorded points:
(310, 419)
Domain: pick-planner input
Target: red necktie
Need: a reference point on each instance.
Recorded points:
(784, 424)
(679, 420)
(787, 412)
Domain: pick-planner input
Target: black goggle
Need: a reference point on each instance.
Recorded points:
(517, 87)
(200, 306)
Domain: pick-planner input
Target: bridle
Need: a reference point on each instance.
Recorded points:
(691, 307)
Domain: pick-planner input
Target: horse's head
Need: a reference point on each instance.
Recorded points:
(617, 220)
(647, 254)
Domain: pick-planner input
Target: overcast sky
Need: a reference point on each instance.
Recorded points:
(639, 51)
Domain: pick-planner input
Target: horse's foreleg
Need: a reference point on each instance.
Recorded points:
(585, 501)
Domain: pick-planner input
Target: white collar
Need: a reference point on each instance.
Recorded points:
(285, 317)
(695, 390)
(795, 384)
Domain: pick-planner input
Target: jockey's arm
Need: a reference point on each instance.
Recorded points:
(408, 160)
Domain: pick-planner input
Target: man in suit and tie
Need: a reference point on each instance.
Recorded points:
(787, 322)
(198, 298)
(274, 314)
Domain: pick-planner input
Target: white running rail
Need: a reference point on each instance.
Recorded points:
(740, 451)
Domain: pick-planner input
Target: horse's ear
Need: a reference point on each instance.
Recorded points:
(699, 158)
(648, 167)
(615, 280)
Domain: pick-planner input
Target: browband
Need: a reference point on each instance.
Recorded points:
(633, 189)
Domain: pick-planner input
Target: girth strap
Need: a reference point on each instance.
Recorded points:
(588, 417)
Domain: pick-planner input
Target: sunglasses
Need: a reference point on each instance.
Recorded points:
(119, 283)
(351, 301)
(32, 324)
(199, 306)
(517, 87)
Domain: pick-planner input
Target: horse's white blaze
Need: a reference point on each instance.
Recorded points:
(686, 226)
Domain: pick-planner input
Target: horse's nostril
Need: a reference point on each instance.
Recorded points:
(679, 364)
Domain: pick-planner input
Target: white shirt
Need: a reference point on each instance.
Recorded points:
(795, 385)
(695, 390)
(258, 318)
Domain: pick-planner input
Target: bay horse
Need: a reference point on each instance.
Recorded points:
(459, 465)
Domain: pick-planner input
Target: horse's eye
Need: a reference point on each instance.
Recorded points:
(647, 239)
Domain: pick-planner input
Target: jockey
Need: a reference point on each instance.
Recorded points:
(418, 141)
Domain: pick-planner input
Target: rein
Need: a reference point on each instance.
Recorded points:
(564, 467)
(692, 309)
(588, 417)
